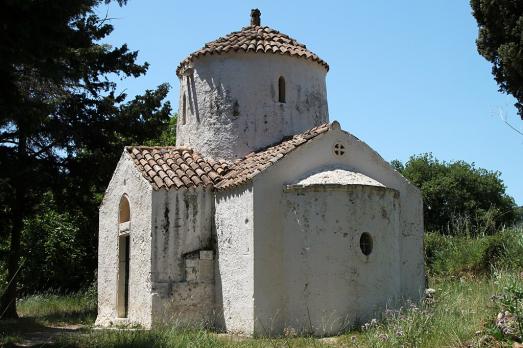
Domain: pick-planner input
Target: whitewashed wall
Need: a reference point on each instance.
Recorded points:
(329, 283)
(232, 102)
(235, 251)
(182, 275)
(270, 218)
(126, 180)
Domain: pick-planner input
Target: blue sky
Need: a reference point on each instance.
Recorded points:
(404, 76)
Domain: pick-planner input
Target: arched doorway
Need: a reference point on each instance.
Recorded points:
(124, 243)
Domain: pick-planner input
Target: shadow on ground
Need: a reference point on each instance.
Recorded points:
(36, 332)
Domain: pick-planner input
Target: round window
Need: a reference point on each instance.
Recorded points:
(338, 149)
(366, 243)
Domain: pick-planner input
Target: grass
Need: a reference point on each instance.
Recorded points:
(466, 273)
(65, 309)
(458, 255)
(460, 314)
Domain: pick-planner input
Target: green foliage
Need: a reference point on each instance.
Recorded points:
(459, 198)
(499, 41)
(456, 255)
(53, 255)
(510, 301)
(167, 137)
(63, 126)
(51, 308)
(457, 315)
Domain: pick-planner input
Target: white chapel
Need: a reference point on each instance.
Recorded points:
(265, 216)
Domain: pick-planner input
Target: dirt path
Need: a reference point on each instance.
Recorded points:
(35, 334)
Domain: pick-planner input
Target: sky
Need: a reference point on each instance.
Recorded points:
(405, 76)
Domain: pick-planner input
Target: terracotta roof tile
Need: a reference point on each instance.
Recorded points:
(168, 167)
(254, 39)
(165, 167)
(254, 163)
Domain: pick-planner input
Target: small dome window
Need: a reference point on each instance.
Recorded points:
(366, 243)
(184, 109)
(281, 89)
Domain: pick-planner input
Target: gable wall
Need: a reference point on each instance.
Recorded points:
(126, 180)
(269, 217)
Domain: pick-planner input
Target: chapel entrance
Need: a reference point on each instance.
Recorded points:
(123, 277)
(124, 246)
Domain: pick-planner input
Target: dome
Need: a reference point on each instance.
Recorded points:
(338, 177)
(254, 38)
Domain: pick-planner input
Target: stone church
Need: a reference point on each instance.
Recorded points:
(264, 216)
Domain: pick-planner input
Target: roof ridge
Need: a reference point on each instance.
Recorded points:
(245, 169)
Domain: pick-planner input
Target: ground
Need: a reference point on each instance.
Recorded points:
(459, 315)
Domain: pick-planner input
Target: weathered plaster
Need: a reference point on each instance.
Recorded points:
(270, 219)
(183, 258)
(232, 102)
(128, 181)
(329, 284)
(235, 254)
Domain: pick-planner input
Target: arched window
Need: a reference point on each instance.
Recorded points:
(125, 211)
(124, 248)
(184, 108)
(281, 89)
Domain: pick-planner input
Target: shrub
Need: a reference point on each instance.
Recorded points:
(459, 198)
(52, 254)
(453, 255)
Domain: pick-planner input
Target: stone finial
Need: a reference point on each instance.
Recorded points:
(335, 125)
(255, 17)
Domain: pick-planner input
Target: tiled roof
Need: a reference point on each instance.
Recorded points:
(171, 167)
(175, 167)
(255, 38)
(245, 169)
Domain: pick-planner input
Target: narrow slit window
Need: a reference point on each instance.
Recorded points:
(281, 89)
(184, 108)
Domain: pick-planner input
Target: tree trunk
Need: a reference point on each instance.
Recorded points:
(8, 300)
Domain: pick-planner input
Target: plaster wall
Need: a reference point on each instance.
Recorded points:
(127, 181)
(235, 251)
(329, 283)
(183, 282)
(182, 223)
(270, 217)
(232, 105)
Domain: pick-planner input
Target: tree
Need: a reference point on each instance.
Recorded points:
(500, 42)
(458, 197)
(62, 123)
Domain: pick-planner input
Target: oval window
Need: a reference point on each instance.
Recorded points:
(366, 243)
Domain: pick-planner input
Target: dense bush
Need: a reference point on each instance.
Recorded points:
(459, 198)
(53, 254)
(453, 255)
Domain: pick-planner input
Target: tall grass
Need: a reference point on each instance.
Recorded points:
(78, 308)
(458, 255)
(459, 314)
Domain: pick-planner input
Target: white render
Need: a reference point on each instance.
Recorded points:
(126, 181)
(232, 103)
(283, 249)
(275, 213)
